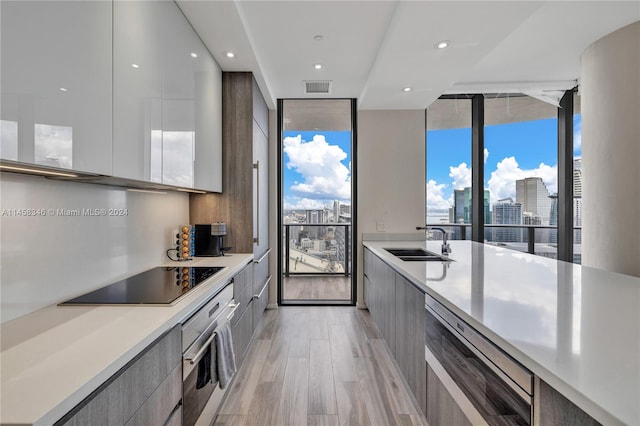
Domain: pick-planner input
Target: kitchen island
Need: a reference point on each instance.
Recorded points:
(52, 359)
(574, 327)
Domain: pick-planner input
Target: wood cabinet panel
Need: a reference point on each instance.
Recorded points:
(410, 337)
(116, 401)
(260, 109)
(551, 408)
(243, 290)
(386, 292)
(244, 143)
(242, 332)
(442, 409)
(260, 273)
(160, 405)
(260, 302)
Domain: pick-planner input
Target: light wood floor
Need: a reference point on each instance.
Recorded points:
(318, 366)
(316, 288)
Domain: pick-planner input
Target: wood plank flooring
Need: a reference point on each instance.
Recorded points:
(318, 366)
(317, 288)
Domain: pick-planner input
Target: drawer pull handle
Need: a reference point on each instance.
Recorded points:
(258, 296)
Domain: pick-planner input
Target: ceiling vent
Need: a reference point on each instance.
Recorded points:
(317, 87)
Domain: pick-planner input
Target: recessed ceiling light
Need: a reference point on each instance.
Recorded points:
(62, 89)
(442, 44)
(135, 65)
(230, 55)
(317, 66)
(194, 55)
(407, 89)
(318, 38)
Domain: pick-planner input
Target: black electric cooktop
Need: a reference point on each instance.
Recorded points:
(157, 286)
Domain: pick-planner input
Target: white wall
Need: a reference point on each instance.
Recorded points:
(610, 102)
(48, 259)
(391, 174)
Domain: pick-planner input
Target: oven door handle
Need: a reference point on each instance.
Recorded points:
(196, 358)
(198, 355)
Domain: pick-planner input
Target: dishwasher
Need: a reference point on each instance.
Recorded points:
(499, 388)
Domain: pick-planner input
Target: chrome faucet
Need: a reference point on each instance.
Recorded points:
(446, 248)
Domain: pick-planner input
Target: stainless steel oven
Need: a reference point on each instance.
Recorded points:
(197, 335)
(498, 387)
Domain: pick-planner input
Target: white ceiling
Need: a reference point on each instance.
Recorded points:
(371, 50)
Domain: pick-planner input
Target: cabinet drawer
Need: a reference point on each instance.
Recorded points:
(118, 399)
(160, 405)
(176, 417)
(260, 272)
(242, 332)
(260, 302)
(243, 290)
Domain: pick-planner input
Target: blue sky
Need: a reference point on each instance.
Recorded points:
(317, 168)
(512, 151)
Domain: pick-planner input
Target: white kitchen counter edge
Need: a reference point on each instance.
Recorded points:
(589, 406)
(62, 400)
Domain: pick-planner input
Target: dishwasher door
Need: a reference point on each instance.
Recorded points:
(496, 397)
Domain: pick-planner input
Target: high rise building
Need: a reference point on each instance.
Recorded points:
(507, 212)
(341, 212)
(552, 234)
(577, 177)
(317, 216)
(577, 199)
(467, 205)
(457, 213)
(529, 218)
(533, 194)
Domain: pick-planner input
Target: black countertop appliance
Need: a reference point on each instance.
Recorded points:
(208, 239)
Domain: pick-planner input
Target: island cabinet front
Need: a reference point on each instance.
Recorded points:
(397, 308)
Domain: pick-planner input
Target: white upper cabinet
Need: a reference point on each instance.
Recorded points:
(56, 84)
(208, 121)
(167, 96)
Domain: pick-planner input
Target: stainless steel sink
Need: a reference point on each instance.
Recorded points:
(417, 255)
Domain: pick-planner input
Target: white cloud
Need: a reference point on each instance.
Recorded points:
(319, 163)
(502, 183)
(461, 175)
(296, 203)
(435, 197)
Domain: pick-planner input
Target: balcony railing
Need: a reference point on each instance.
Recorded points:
(535, 239)
(317, 249)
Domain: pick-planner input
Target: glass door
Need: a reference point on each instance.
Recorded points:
(316, 206)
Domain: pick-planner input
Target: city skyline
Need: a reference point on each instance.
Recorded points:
(513, 151)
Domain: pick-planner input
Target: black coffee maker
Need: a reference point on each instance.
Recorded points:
(208, 239)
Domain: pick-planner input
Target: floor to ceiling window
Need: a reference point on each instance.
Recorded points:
(515, 141)
(521, 173)
(448, 173)
(316, 201)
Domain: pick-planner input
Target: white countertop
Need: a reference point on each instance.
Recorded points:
(577, 328)
(55, 357)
